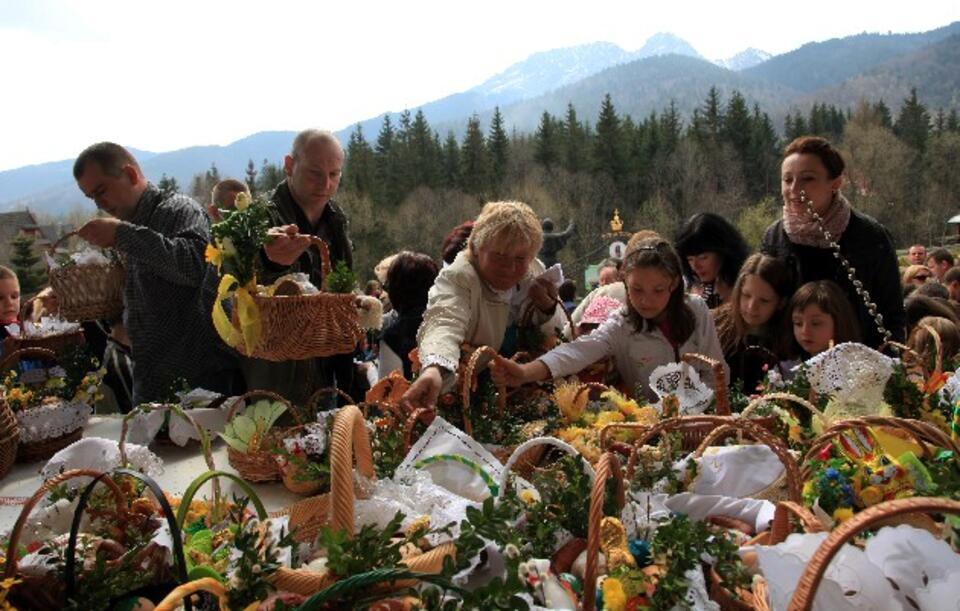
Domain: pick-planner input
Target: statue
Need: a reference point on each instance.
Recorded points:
(553, 242)
(616, 225)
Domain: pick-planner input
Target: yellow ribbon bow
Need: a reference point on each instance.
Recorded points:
(248, 336)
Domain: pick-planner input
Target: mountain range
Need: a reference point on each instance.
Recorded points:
(666, 68)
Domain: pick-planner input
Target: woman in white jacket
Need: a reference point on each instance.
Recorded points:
(475, 299)
(658, 324)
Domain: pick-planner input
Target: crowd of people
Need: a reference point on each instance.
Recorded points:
(825, 273)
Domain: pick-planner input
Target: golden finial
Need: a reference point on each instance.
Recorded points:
(616, 225)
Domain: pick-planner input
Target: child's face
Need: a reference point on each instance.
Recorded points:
(649, 289)
(9, 299)
(758, 301)
(813, 329)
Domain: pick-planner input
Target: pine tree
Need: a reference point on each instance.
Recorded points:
(671, 128)
(762, 159)
(387, 163)
(953, 121)
(424, 152)
(359, 172)
(24, 263)
(499, 147)
(736, 124)
(574, 142)
(708, 119)
(168, 185)
(271, 175)
(609, 150)
(913, 122)
(450, 177)
(474, 160)
(251, 179)
(883, 112)
(547, 142)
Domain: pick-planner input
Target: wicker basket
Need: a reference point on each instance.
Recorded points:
(349, 441)
(873, 517)
(87, 292)
(608, 466)
(756, 598)
(297, 327)
(9, 438)
(44, 592)
(259, 466)
(56, 343)
(31, 451)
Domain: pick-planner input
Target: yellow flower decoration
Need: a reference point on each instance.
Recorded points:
(570, 401)
(213, 255)
(842, 514)
(528, 496)
(605, 418)
(614, 598)
(242, 201)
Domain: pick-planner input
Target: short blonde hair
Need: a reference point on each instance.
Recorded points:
(8, 274)
(914, 270)
(506, 222)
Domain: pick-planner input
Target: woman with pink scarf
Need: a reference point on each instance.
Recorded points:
(817, 218)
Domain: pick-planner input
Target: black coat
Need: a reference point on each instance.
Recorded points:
(868, 247)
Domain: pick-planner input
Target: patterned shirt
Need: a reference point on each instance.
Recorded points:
(169, 295)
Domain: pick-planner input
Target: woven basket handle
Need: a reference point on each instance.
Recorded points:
(608, 466)
(470, 381)
(780, 396)
(765, 437)
(922, 433)
(14, 357)
(591, 387)
(194, 486)
(522, 449)
(348, 441)
(52, 249)
(327, 390)
(11, 566)
(609, 429)
(421, 415)
(810, 579)
(782, 527)
(171, 601)
(720, 390)
(938, 346)
(668, 425)
(241, 400)
(325, 267)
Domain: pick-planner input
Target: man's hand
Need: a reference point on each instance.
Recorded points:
(424, 391)
(286, 244)
(100, 232)
(543, 294)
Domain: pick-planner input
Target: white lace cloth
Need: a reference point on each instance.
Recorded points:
(851, 581)
(737, 471)
(143, 427)
(102, 455)
(911, 558)
(682, 380)
(51, 420)
(851, 373)
(86, 256)
(48, 326)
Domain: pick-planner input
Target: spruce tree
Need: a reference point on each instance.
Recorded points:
(359, 172)
(424, 153)
(385, 154)
(547, 142)
(271, 175)
(574, 142)
(450, 175)
(499, 147)
(168, 185)
(474, 160)
(24, 262)
(883, 112)
(609, 150)
(913, 122)
(736, 124)
(251, 179)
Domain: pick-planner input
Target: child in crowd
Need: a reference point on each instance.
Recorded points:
(605, 370)
(657, 326)
(821, 316)
(922, 342)
(750, 327)
(9, 301)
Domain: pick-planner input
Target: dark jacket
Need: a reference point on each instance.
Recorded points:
(868, 247)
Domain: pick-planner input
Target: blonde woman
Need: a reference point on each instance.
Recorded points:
(486, 288)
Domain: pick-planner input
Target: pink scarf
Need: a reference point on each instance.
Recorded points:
(802, 229)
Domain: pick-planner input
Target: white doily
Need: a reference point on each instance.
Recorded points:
(940, 594)
(102, 455)
(86, 256)
(851, 373)
(48, 326)
(910, 558)
(682, 380)
(143, 426)
(851, 581)
(51, 420)
(413, 493)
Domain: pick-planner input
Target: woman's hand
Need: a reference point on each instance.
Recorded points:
(424, 391)
(511, 373)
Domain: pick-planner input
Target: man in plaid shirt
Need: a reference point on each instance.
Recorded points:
(170, 289)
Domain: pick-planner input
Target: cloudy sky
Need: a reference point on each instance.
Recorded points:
(165, 74)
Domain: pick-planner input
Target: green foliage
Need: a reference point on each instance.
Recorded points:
(370, 549)
(341, 279)
(24, 261)
(239, 237)
(168, 185)
(257, 558)
(246, 431)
